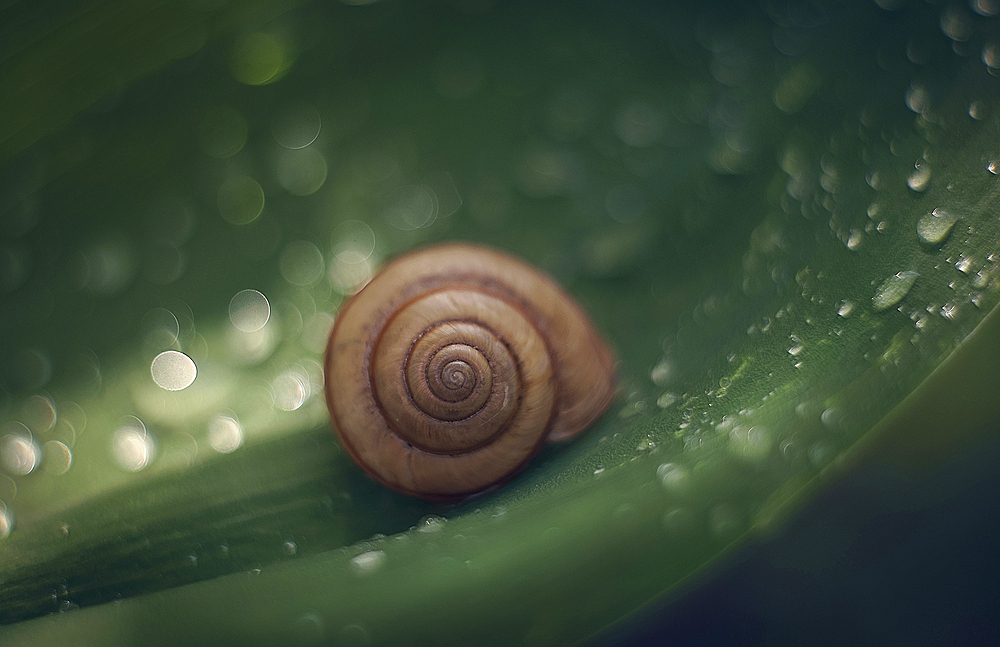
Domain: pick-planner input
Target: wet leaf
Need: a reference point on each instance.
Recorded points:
(788, 257)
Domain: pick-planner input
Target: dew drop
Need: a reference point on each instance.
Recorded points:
(753, 443)
(893, 290)
(674, 478)
(855, 239)
(663, 372)
(934, 227)
(920, 178)
(430, 524)
(845, 309)
(367, 563)
(667, 399)
(308, 629)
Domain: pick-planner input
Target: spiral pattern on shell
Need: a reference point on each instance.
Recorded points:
(452, 367)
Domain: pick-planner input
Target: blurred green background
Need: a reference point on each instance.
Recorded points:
(781, 214)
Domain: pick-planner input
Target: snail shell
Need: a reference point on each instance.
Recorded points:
(453, 366)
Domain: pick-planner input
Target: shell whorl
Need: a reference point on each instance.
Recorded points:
(447, 372)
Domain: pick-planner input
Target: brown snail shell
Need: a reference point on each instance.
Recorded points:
(452, 367)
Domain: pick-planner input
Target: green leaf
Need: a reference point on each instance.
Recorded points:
(785, 224)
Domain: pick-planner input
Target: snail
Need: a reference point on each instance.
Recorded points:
(453, 366)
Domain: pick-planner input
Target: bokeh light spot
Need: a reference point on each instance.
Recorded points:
(132, 446)
(301, 263)
(225, 434)
(259, 58)
(297, 125)
(240, 200)
(249, 310)
(173, 370)
(6, 521)
(301, 172)
(222, 132)
(58, 457)
(18, 452)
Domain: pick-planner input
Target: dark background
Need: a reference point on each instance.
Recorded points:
(890, 554)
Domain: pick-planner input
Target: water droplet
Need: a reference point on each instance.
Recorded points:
(920, 178)
(431, 524)
(289, 547)
(893, 290)
(132, 446)
(225, 434)
(832, 418)
(308, 630)
(662, 372)
(753, 443)
(249, 310)
(674, 478)
(820, 454)
(934, 227)
(845, 309)
(855, 239)
(667, 399)
(367, 563)
(964, 264)
(173, 370)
